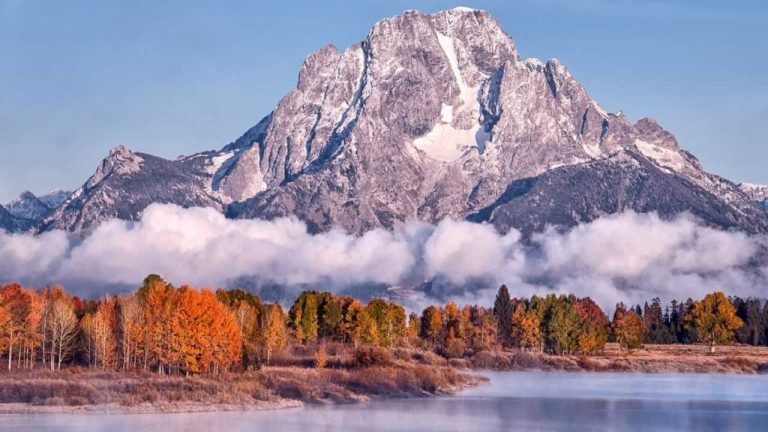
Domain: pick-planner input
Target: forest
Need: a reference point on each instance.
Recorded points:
(189, 331)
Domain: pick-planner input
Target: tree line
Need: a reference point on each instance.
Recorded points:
(185, 330)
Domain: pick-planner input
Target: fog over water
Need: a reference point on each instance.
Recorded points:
(625, 257)
(514, 401)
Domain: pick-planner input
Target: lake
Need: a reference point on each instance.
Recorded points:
(524, 401)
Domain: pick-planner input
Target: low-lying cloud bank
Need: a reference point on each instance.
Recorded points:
(625, 257)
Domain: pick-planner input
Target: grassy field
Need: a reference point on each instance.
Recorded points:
(650, 358)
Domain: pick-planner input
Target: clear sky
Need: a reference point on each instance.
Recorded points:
(177, 77)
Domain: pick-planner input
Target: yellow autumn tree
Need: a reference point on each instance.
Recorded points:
(274, 333)
(525, 329)
(714, 319)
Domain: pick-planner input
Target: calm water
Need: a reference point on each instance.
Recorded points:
(514, 401)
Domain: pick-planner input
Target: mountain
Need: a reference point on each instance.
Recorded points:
(54, 198)
(28, 206)
(430, 116)
(125, 183)
(27, 210)
(11, 223)
(756, 192)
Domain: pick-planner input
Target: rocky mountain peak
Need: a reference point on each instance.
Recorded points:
(26, 195)
(27, 206)
(120, 160)
(429, 116)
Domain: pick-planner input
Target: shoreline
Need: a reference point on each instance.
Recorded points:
(184, 408)
(287, 387)
(26, 408)
(276, 387)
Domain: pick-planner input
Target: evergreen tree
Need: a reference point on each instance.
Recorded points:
(503, 308)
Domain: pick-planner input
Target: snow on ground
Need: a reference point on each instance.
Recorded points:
(464, 9)
(446, 43)
(664, 157)
(217, 162)
(446, 113)
(756, 192)
(445, 142)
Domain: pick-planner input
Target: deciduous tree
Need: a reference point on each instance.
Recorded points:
(526, 330)
(274, 333)
(714, 319)
(629, 330)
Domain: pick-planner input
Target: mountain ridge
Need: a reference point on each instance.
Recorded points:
(430, 116)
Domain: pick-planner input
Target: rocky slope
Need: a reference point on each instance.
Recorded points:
(28, 206)
(125, 183)
(27, 210)
(9, 222)
(756, 192)
(430, 116)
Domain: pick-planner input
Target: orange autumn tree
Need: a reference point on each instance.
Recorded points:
(205, 335)
(223, 335)
(595, 326)
(249, 315)
(22, 310)
(158, 304)
(5, 320)
(629, 330)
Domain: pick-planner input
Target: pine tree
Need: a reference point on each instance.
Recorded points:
(503, 308)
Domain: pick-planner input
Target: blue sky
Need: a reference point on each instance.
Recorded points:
(79, 77)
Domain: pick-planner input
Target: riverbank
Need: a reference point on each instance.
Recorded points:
(401, 373)
(346, 377)
(650, 359)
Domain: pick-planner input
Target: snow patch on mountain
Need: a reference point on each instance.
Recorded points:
(669, 159)
(446, 143)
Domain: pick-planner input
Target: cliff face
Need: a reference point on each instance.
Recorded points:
(430, 116)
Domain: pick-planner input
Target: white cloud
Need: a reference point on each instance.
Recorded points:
(627, 257)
